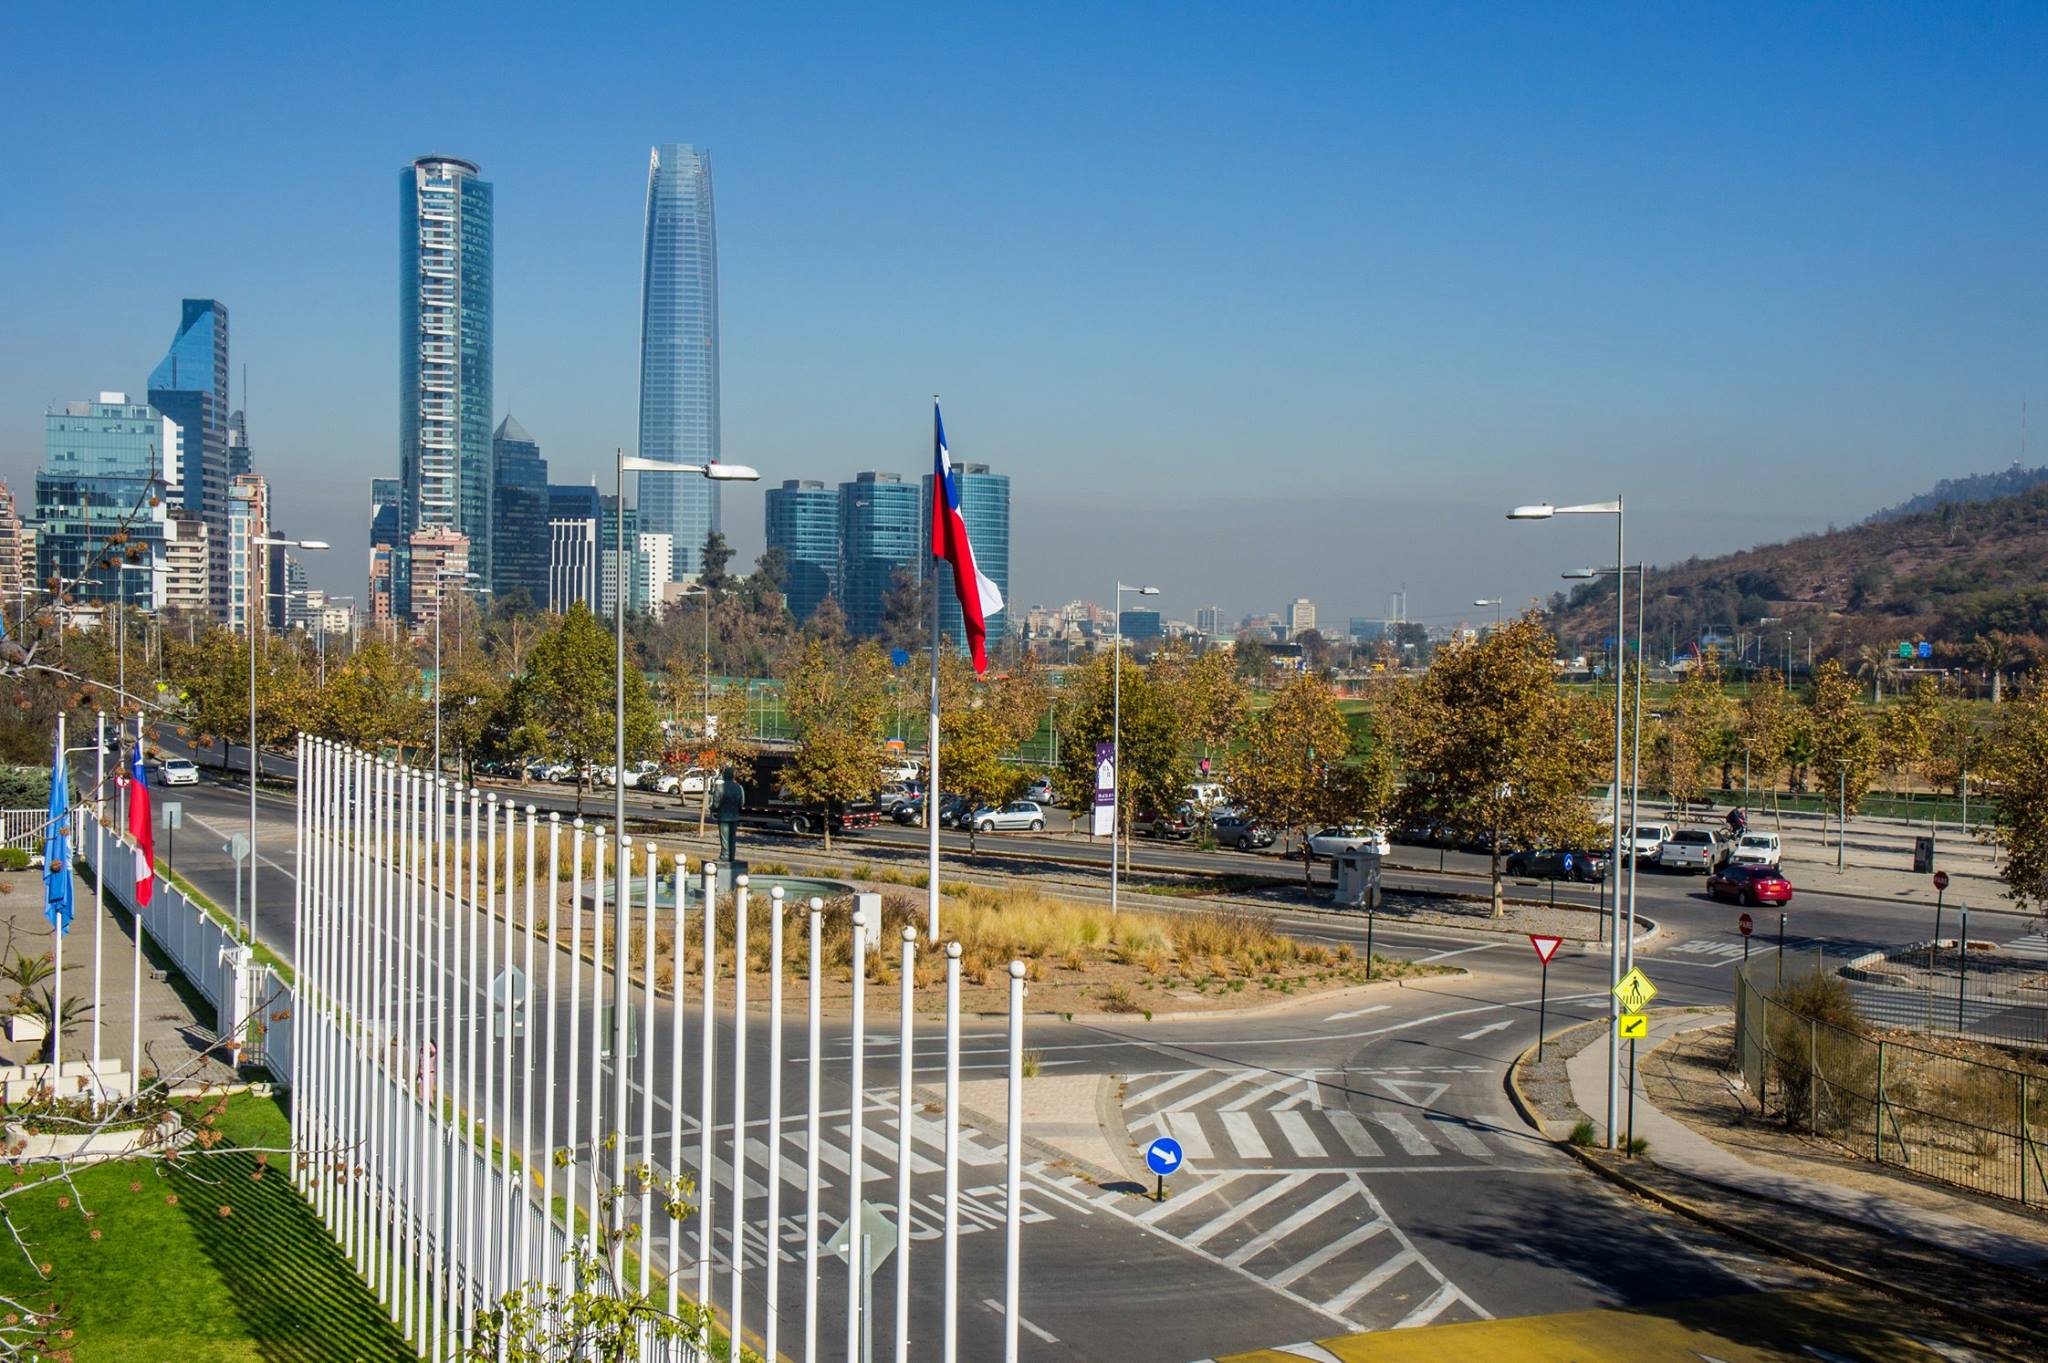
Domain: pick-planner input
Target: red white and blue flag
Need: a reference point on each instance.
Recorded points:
(979, 597)
(138, 828)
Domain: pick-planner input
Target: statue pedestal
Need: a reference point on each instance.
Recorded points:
(727, 870)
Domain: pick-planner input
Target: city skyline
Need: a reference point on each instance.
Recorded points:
(679, 352)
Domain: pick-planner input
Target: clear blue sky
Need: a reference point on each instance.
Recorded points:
(1251, 301)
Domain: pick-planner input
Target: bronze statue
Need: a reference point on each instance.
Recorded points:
(729, 802)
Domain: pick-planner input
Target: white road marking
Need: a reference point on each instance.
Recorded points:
(1230, 1216)
(1413, 1142)
(1489, 1027)
(1343, 1300)
(1244, 1134)
(992, 1304)
(1352, 1132)
(1358, 1013)
(1429, 1310)
(1455, 1131)
(1188, 1132)
(1274, 1234)
(1157, 1089)
(1417, 1091)
(1461, 951)
(1294, 1129)
(1180, 1200)
(1344, 1243)
(1271, 1086)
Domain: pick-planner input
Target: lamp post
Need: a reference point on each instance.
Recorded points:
(1543, 511)
(252, 608)
(121, 622)
(1116, 744)
(622, 926)
(704, 802)
(1635, 751)
(1492, 601)
(441, 600)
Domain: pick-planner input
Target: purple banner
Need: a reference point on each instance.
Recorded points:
(1104, 812)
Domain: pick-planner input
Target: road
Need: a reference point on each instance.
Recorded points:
(1353, 1162)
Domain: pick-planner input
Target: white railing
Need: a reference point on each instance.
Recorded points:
(23, 828)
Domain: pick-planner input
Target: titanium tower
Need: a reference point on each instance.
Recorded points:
(679, 351)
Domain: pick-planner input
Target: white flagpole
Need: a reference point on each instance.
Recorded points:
(817, 914)
(597, 1039)
(387, 1030)
(931, 786)
(904, 1075)
(135, 983)
(575, 1020)
(526, 1037)
(547, 1107)
(349, 1048)
(951, 1235)
(472, 1041)
(379, 1035)
(301, 907)
(649, 859)
(772, 1289)
(486, 926)
(739, 1102)
(508, 1190)
(400, 1054)
(706, 1112)
(99, 885)
(1013, 1148)
(437, 1143)
(856, 1128)
(672, 1228)
(622, 1021)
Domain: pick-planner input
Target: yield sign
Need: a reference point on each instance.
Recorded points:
(1413, 1091)
(1546, 947)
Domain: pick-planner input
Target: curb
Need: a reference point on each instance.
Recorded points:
(1997, 1325)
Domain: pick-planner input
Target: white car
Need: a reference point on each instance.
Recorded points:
(1755, 849)
(1018, 814)
(177, 771)
(690, 782)
(1350, 837)
(1206, 796)
(1645, 841)
(1690, 849)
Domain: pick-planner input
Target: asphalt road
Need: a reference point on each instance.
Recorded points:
(1353, 1162)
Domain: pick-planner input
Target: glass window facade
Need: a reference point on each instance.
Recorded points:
(190, 386)
(879, 532)
(985, 507)
(803, 522)
(519, 514)
(679, 350)
(98, 462)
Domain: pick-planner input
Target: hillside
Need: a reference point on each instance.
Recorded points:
(1949, 575)
(1978, 487)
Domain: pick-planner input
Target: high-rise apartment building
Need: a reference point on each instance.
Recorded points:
(519, 514)
(188, 562)
(383, 607)
(101, 461)
(438, 559)
(248, 565)
(12, 578)
(385, 496)
(679, 350)
(653, 564)
(879, 532)
(803, 522)
(1209, 620)
(985, 507)
(190, 387)
(444, 358)
(1301, 617)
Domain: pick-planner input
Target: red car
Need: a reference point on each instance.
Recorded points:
(1750, 884)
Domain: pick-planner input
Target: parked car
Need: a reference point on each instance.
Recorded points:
(1422, 833)
(1014, 816)
(952, 809)
(1349, 837)
(1690, 849)
(1039, 791)
(1645, 841)
(1152, 823)
(1749, 883)
(902, 771)
(177, 771)
(690, 782)
(1233, 828)
(1205, 795)
(1558, 863)
(1755, 849)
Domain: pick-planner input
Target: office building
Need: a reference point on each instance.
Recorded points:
(1301, 617)
(12, 578)
(1137, 626)
(383, 601)
(248, 563)
(444, 358)
(1367, 631)
(290, 597)
(985, 507)
(188, 562)
(679, 351)
(1209, 620)
(241, 459)
(879, 532)
(519, 514)
(803, 522)
(572, 563)
(438, 559)
(190, 387)
(384, 512)
(653, 566)
(101, 461)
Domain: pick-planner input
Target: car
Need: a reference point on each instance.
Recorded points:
(690, 782)
(1205, 795)
(1645, 841)
(1755, 849)
(896, 795)
(1422, 833)
(1690, 849)
(1558, 863)
(1153, 823)
(902, 771)
(177, 771)
(1233, 828)
(1348, 837)
(1016, 815)
(1749, 883)
(1039, 791)
(637, 774)
(953, 810)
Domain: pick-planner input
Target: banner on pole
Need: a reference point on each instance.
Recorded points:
(1103, 816)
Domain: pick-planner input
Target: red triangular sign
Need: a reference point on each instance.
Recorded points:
(1546, 947)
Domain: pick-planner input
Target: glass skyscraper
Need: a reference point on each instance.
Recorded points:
(985, 507)
(98, 462)
(519, 514)
(444, 356)
(190, 387)
(803, 522)
(679, 351)
(878, 533)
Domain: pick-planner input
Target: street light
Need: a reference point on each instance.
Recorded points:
(440, 601)
(622, 926)
(703, 804)
(251, 607)
(1492, 601)
(1635, 743)
(1543, 511)
(1116, 749)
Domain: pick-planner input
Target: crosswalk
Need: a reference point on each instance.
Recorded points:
(1256, 1119)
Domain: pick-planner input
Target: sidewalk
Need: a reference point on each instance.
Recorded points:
(1676, 1146)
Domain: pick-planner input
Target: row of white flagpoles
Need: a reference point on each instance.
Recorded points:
(415, 1124)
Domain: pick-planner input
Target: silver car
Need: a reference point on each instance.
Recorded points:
(1016, 815)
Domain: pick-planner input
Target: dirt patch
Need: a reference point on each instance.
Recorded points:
(1547, 1088)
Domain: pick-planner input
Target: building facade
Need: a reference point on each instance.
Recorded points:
(445, 215)
(803, 522)
(188, 562)
(101, 465)
(985, 507)
(190, 388)
(879, 532)
(1301, 617)
(1209, 620)
(679, 350)
(572, 564)
(248, 563)
(438, 559)
(1140, 625)
(519, 514)
(13, 581)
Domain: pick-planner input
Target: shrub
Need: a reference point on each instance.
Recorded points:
(1822, 1058)
(14, 858)
(1582, 1134)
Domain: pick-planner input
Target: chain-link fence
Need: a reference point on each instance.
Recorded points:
(1991, 992)
(1954, 1111)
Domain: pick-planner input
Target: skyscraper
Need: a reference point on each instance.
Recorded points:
(879, 532)
(444, 358)
(190, 387)
(98, 462)
(1301, 617)
(248, 566)
(803, 522)
(679, 351)
(574, 510)
(11, 575)
(519, 514)
(985, 506)
(241, 459)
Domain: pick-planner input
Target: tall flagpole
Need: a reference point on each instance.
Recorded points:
(99, 883)
(931, 785)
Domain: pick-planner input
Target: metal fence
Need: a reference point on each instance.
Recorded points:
(1972, 1121)
(1989, 993)
(22, 828)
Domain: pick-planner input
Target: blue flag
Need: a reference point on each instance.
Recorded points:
(57, 851)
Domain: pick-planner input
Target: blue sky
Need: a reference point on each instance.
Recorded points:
(1253, 301)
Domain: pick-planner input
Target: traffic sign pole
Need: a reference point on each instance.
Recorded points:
(1746, 925)
(1962, 964)
(1546, 947)
(1940, 892)
(1631, 1097)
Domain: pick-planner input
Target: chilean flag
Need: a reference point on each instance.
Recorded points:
(138, 829)
(979, 597)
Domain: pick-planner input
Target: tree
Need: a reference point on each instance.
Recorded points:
(1152, 752)
(1493, 749)
(1947, 761)
(836, 704)
(1282, 772)
(1844, 749)
(2016, 768)
(906, 611)
(982, 723)
(214, 674)
(1688, 739)
(1905, 731)
(475, 706)
(562, 703)
(373, 699)
(717, 556)
(1205, 691)
(1764, 727)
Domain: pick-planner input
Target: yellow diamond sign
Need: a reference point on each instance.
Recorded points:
(1635, 991)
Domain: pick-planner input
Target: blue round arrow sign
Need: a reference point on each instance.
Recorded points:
(1163, 1156)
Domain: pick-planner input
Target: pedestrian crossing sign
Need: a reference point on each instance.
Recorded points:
(1635, 990)
(1633, 1026)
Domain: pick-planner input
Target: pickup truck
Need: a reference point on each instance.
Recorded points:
(1645, 841)
(770, 802)
(1690, 849)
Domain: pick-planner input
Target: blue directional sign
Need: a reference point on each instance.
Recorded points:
(899, 656)
(1567, 863)
(1926, 649)
(1163, 1156)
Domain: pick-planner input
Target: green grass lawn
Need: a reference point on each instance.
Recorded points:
(180, 1280)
